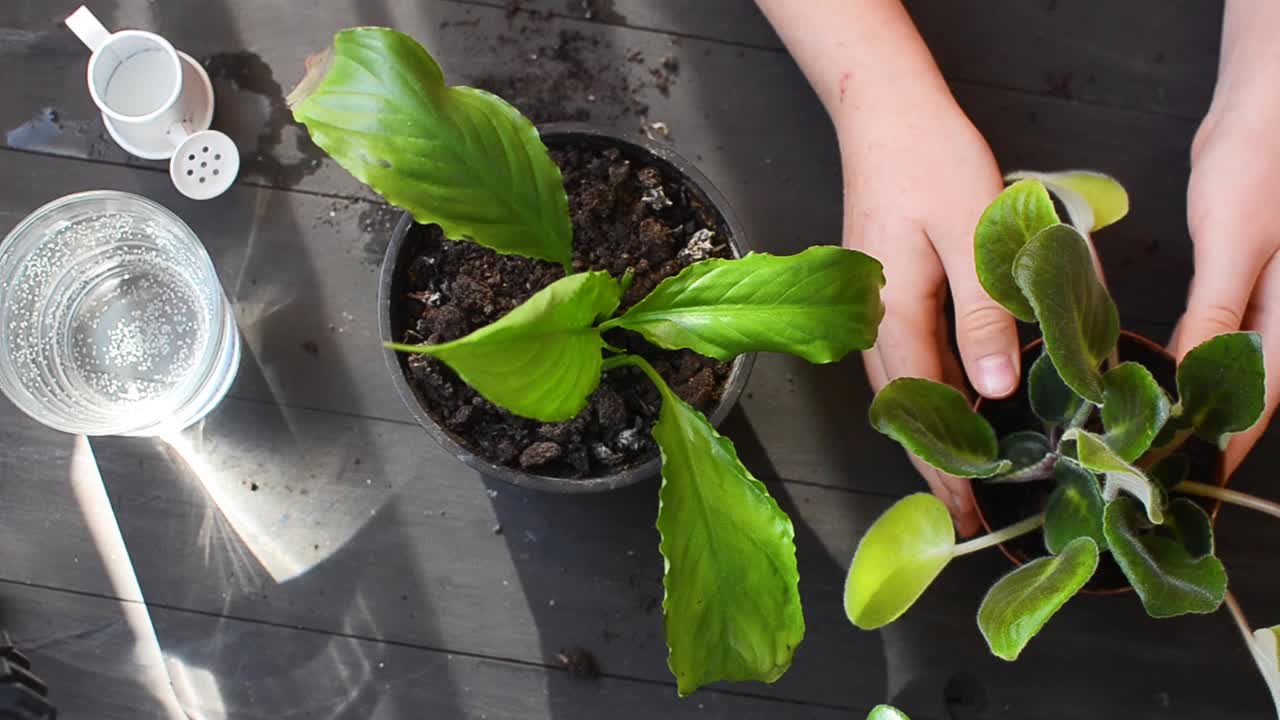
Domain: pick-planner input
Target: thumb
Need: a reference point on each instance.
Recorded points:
(988, 341)
(1218, 299)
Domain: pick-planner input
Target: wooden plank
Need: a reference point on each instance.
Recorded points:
(1148, 55)
(228, 668)
(424, 567)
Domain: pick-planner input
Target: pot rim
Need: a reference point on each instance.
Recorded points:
(1220, 478)
(740, 368)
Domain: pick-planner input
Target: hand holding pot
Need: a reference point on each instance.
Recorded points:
(917, 177)
(1235, 169)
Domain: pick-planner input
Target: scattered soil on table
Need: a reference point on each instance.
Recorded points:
(1004, 505)
(580, 662)
(629, 212)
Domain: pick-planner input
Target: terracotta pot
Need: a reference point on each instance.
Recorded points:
(559, 134)
(1208, 458)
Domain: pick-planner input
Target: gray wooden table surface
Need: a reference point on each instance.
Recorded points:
(309, 553)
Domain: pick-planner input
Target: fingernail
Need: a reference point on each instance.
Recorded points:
(995, 376)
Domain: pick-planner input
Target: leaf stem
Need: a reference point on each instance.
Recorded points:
(1082, 415)
(996, 537)
(1179, 439)
(1114, 358)
(1041, 469)
(1229, 496)
(613, 363)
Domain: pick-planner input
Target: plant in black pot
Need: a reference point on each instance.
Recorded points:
(1107, 466)
(564, 302)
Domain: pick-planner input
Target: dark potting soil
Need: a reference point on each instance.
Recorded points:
(1004, 505)
(629, 211)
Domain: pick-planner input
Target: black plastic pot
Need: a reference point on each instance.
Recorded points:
(560, 134)
(999, 505)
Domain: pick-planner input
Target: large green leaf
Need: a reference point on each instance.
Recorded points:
(1013, 218)
(1077, 317)
(935, 423)
(1119, 475)
(1266, 649)
(1221, 387)
(1020, 603)
(542, 359)
(732, 596)
(1134, 409)
(1167, 578)
(901, 554)
(456, 156)
(1093, 200)
(1188, 524)
(887, 712)
(1051, 399)
(1074, 509)
(820, 304)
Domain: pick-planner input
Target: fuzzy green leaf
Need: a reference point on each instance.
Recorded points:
(1170, 470)
(901, 554)
(819, 304)
(1119, 475)
(1024, 448)
(1221, 387)
(1266, 649)
(1074, 509)
(456, 156)
(732, 588)
(935, 423)
(1020, 603)
(1167, 578)
(1051, 399)
(541, 360)
(1013, 218)
(1188, 524)
(1077, 317)
(886, 712)
(1093, 200)
(1134, 409)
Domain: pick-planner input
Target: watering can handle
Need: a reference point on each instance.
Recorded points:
(86, 27)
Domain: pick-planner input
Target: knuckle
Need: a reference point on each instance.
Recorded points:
(1219, 316)
(982, 321)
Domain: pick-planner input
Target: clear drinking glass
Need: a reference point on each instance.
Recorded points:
(112, 320)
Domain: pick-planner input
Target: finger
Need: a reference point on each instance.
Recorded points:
(952, 372)
(907, 343)
(1263, 316)
(1225, 274)
(986, 334)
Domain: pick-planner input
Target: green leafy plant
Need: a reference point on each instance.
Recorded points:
(468, 161)
(1108, 442)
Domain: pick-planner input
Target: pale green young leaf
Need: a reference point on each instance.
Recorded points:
(819, 304)
(1020, 603)
(1119, 475)
(456, 156)
(1221, 387)
(1188, 524)
(542, 359)
(1168, 580)
(901, 554)
(1075, 507)
(1093, 200)
(1134, 409)
(1079, 321)
(1051, 399)
(732, 588)
(935, 423)
(1266, 649)
(1013, 218)
(886, 712)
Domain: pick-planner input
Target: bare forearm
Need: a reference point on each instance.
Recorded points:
(1250, 57)
(857, 55)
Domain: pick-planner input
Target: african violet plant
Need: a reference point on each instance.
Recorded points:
(1109, 440)
(468, 161)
